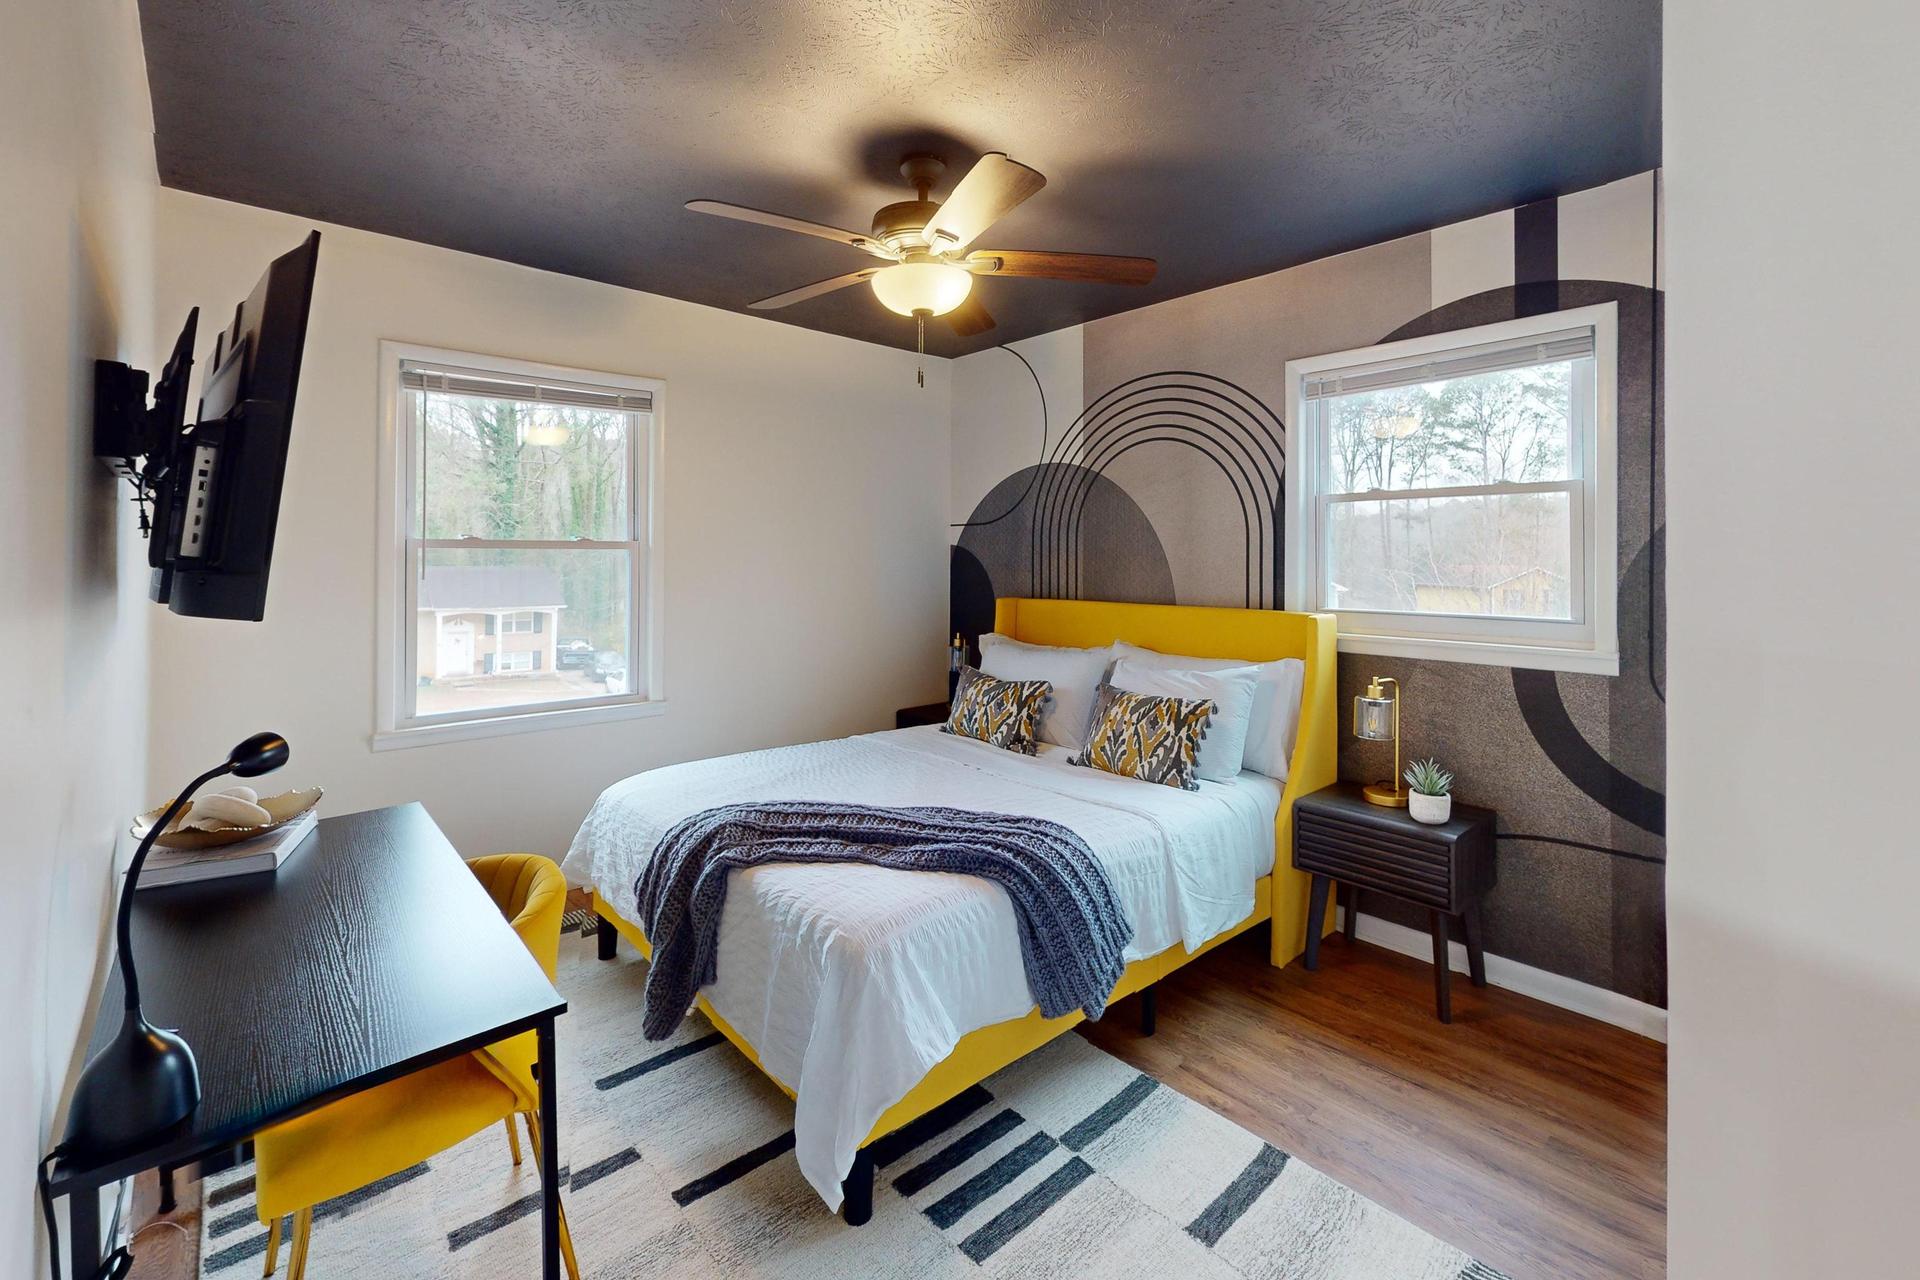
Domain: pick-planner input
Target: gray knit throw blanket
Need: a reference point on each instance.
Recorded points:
(1073, 932)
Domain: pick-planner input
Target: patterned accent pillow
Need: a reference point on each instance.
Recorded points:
(1004, 713)
(1149, 736)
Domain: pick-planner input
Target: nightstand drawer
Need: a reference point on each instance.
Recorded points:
(1418, 873)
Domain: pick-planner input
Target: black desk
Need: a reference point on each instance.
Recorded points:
(371, 953)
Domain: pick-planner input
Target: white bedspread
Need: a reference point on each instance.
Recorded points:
(851, 981)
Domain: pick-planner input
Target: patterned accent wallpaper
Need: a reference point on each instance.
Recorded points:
(1155, 472)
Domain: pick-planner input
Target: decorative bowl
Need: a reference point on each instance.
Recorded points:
(284, 807)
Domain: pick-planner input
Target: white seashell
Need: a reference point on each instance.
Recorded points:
(219, 809)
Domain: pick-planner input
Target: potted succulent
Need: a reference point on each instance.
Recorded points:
(1429, 792)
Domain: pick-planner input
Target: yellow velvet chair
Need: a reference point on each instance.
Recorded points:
(360, 1139)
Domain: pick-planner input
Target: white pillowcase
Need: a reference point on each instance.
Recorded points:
(1275, 720)
(1074, 673)
(1223, 749)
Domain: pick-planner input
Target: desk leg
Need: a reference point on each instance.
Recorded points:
(1316, 919)
(83, 1231)
(549, 1155)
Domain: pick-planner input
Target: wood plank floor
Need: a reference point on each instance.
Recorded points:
(1529, 1136)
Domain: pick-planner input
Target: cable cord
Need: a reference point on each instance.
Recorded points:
(46, 1209)
(116, 1264)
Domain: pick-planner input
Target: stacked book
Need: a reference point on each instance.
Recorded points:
(263, 852)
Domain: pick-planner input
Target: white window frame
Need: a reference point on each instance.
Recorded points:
(500, 657)
(396, 574)
(1589, 643)
(508, 624)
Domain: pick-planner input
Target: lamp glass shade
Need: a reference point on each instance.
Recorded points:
(933, 287)
(1373, 718)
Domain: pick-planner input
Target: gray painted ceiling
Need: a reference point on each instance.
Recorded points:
(1224, 138)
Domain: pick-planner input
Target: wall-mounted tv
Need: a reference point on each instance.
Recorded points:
(209, 490)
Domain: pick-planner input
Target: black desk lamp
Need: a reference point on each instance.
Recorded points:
(145, 1081)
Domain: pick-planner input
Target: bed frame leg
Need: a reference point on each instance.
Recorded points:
(606, 939)
(856, 1203)
(1149, 1008)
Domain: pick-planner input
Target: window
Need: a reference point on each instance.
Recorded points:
(1452, 497)
(521, 505)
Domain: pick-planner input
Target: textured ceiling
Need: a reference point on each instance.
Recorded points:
(1225, 139)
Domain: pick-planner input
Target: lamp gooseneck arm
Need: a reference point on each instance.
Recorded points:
(123, 927)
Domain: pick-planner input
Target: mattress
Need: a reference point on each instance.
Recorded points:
(851, 981)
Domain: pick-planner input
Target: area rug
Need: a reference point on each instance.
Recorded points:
(679, 1162)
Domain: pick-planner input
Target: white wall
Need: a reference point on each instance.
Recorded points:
(76, 184)
(806, 494)
(1792, 453)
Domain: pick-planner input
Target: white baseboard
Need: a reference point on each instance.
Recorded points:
(1595, 1002)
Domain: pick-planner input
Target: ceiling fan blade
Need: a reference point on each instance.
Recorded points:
(741, 213)
(815, 289)
(991, 189)
(970, 317)
(1098, 267)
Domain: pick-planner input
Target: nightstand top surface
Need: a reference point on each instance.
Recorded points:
(1344, 799)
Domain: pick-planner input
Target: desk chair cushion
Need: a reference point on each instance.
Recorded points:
(370, 1135)
(532, 894)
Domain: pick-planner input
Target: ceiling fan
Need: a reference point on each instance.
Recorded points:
(927, 246)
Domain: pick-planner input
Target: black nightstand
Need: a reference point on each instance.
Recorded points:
(930, 713)
(1448, 868)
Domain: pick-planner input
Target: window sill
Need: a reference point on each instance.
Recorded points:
(1484, 653)
(427, 735)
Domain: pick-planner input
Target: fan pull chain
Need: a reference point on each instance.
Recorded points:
(920, 320)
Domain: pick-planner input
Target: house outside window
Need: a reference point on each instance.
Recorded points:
(522, 503)
(1453, 496)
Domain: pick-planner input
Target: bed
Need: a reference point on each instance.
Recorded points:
(871, 995)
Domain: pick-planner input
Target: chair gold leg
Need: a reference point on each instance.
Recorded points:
(513, 1141)
(566, 1233)
(273, 1246)
(566, 1246)
(302, 1237)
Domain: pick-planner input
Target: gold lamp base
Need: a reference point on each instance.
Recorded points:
(1384, 794)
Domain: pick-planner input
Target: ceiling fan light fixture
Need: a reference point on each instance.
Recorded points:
(931, 287)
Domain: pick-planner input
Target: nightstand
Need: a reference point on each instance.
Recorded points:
(929, 713)
(1447, 869)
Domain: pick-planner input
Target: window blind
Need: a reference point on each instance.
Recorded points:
(1549, 348)
(454, 381)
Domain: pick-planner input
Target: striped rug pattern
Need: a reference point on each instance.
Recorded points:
(679, 1161)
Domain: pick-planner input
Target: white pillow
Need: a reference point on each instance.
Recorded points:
(1074, 673)
(1275, 721)
(1223, 750)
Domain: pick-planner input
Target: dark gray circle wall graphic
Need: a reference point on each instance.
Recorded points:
(1063, 529)
(999, 557)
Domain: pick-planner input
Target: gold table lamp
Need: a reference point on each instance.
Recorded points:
(1376, 718)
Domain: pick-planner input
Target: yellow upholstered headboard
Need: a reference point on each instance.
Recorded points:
(1258, 635)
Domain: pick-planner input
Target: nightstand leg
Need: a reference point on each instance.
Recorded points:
(1316, 919)
(1353, 912)
(1442, 975)
(1476, 958)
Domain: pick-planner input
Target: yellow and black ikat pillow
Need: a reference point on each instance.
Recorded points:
(1004, 713)
(1148, 736)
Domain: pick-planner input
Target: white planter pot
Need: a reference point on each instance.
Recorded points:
(1429, 809)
